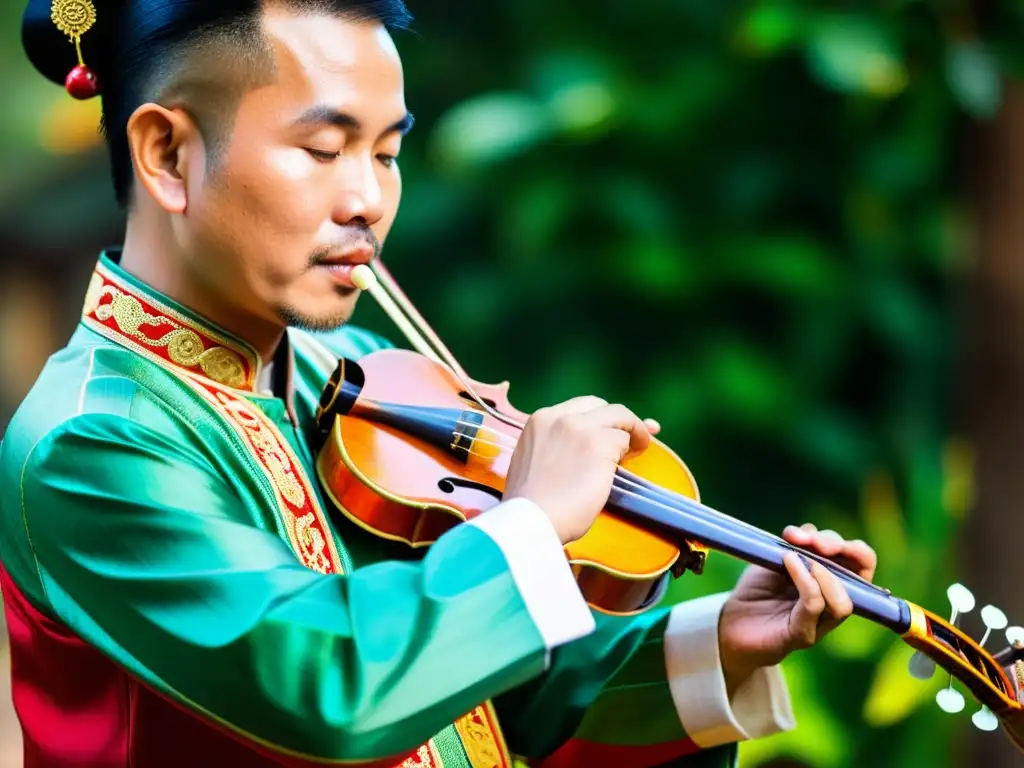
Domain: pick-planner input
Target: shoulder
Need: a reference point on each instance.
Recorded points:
(98, 392)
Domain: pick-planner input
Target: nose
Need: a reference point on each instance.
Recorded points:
(360, 198)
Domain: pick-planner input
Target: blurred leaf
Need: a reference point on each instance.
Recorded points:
(830, 442)
(654, 266)
(790, 265)
(958, 488)
(894, 694)
(896, 311)
(831, 743)
(575, 89)
(488, 129)
(857, 639)
(747, 385)
(582, 107)
(71, 126)
(771, 26)
(884, 526)
(534, 216)
(678, 402)
(974, 78)
(855, 54)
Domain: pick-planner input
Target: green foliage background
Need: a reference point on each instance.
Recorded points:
(746, 218)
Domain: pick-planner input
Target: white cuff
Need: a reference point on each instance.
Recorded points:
(540, 569)
(760, 707)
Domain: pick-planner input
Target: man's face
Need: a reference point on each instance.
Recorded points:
(307, 184)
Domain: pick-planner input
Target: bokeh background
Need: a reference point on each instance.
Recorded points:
(792, 231)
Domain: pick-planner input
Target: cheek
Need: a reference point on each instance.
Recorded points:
(391, 191)
(276, 189)
(267, 206)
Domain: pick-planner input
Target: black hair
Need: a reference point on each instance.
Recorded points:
(151, 41)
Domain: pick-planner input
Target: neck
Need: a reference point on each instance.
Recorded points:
(151, 254)
(675, 514)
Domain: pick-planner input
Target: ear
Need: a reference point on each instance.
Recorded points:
(161, 141)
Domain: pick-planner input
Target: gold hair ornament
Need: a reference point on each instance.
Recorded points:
(74, 18)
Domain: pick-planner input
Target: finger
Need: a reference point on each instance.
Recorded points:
(621, 418)
(827, 543)
(653, 426)
(855, 554)
(795, 535)
(837, 600)
(860, 558)
(801, 536)
(803, 620)
(582, 404)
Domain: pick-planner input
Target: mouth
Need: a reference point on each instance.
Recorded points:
(340, 264)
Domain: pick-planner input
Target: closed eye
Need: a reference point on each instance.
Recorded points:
(321, 156)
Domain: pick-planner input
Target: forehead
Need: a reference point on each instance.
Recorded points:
(326, 59)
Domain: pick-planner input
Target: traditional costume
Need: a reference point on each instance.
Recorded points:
(179, 592)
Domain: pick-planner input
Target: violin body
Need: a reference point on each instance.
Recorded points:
(408, 454)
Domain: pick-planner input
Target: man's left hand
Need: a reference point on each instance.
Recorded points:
(770, 615)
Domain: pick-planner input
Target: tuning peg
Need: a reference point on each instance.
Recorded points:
(950, 701)
(921, 667)
(1015, 635)
(984, 720)
(993, 619)
(962, 600)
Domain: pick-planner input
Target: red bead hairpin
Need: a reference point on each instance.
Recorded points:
(74, 18)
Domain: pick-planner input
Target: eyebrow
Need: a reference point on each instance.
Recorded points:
(324, 114)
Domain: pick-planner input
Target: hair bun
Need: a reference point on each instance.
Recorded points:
(64, 41)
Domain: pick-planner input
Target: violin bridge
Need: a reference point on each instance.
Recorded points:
(692, 557)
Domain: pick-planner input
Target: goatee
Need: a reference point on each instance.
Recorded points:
(295, 319)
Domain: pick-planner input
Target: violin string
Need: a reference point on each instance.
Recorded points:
(707, 512)
(385, 290)
(398, 307)
(511, 443)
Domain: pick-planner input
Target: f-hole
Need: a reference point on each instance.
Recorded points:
(448, 485)
(472, 403)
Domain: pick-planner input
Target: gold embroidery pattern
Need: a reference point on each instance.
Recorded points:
(425, 757)
(304, 521)
(107, 300)
(481, 739)
(311, 541)
(268, 449)
(184, 346)
(92, 295)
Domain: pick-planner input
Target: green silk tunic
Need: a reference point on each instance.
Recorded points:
(167, 514)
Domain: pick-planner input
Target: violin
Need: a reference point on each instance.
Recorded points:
(411, 446)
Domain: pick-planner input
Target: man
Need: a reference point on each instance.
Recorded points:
(177, 591)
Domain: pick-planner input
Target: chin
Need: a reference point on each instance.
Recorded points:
(320, 322)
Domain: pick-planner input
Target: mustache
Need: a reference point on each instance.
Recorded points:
(354, 236)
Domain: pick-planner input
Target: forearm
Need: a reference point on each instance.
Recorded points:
(315, 663)
(649, 689)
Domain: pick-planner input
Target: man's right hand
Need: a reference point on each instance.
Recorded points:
(566, 459)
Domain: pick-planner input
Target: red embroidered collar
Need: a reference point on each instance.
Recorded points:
(132, 314)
